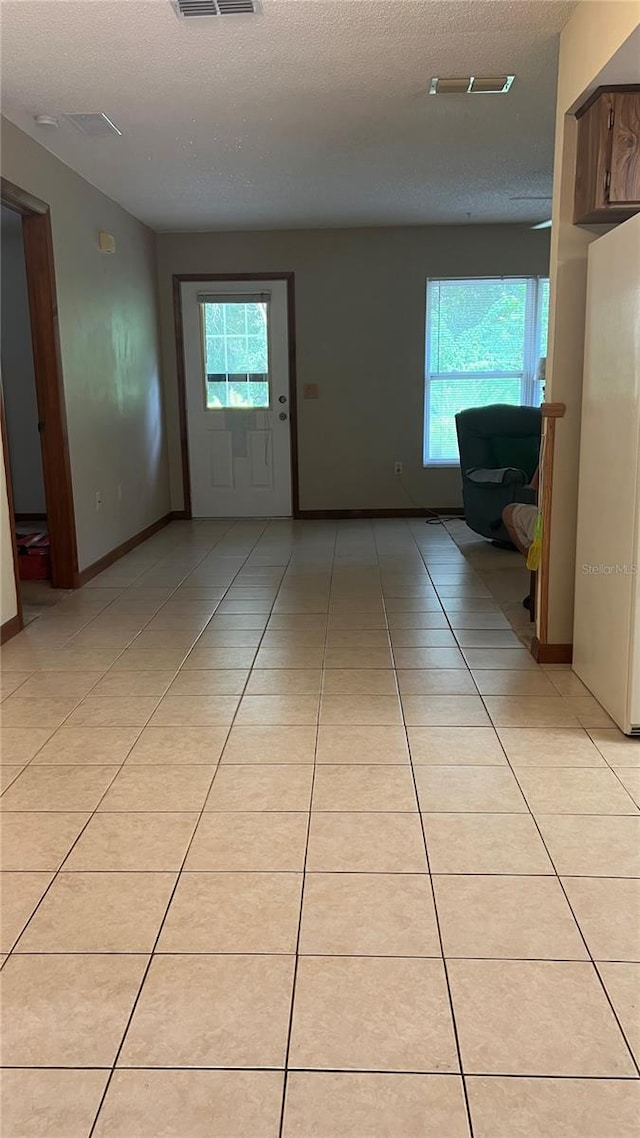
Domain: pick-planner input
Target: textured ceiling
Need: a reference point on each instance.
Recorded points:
(310, 114)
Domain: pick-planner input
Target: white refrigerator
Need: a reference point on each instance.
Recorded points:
(607, 600)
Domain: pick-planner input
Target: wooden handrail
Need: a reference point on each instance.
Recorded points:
(553, 410)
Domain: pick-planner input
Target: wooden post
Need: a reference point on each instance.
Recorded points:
(550, 412)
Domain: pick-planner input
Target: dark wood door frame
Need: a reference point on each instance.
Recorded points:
(43, 309)
(15, 623)
(181, 278)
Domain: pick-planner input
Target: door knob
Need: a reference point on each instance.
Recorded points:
(282, 415)
(282, 399)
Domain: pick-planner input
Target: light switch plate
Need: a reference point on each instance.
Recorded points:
(106, 243)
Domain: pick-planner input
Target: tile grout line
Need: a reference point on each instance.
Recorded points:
(433, 898)
(285, 1080)
(332, 955)
(613, 770)
(336, 872)
(413, 1073)
(320, 955)
(324, 810)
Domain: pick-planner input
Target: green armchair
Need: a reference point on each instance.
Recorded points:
(499, 450)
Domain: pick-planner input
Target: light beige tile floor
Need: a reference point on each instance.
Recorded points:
(299, 842)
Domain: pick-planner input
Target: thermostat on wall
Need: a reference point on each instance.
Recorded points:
(107, 243)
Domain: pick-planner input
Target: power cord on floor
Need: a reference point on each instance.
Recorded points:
(434, 518)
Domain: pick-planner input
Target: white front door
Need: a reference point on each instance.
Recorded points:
(236, 357)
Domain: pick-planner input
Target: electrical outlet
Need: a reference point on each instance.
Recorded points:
(397, 467)
(98, 500)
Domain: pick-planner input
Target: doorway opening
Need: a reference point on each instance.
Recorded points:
(236, 382)
(33, 411)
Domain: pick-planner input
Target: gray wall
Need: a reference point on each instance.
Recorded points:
(18, 381)
(109, 346)
(360, 299)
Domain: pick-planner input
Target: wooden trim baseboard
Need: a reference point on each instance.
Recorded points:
(551, 653)
(10, 628)
(179, 516)
(393, 512)
(125, 547)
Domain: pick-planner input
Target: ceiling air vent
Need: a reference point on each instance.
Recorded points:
(187, 9)
(93, 123)
(472, 85)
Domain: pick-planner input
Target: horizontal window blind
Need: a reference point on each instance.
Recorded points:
(484, 341)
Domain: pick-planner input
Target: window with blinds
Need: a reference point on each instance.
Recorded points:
(485, 339)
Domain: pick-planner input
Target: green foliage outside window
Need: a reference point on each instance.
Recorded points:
(236, 346)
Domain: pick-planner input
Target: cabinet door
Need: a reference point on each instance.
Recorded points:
(624, 184)
(593, 160)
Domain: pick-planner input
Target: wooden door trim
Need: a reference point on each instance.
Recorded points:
(178, 279)
(182, 397)
(21, 200)
(16, 623)
(550, 413)
(43, 310)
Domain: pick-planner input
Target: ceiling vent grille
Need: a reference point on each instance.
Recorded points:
(472, 85)
(95, 124)
(187, 9)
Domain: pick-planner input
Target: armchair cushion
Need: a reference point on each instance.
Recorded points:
(498, 477)
(520, 451)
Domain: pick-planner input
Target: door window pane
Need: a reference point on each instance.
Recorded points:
(215, 356)
(235, 319)
(243, 391)
(236, 354)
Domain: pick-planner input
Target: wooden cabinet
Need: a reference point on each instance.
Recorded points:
(608, 157)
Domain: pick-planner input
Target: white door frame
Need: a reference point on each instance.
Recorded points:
(217, 278)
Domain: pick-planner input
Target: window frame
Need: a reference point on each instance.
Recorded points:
(528, 375)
